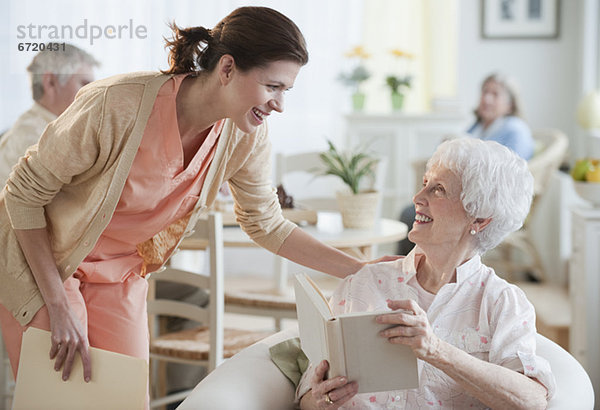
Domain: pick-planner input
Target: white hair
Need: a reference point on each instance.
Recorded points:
(496, 184)
(63, 63)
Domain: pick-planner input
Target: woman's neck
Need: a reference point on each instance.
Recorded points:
(438, 267)
(197, 104)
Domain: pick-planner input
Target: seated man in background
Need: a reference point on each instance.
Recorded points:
(56, 76)
(498, 117)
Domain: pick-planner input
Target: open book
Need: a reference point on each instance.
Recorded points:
(351, 343)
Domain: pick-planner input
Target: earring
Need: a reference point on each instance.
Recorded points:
(473, 232)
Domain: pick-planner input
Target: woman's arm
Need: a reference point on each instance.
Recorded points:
(307, 251)
(494, 385)
(68, 335)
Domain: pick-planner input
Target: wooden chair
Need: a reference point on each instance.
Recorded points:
(206, 345)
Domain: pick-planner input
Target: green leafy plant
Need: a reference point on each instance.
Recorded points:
(355, 77)
(350, 166)
(395, 83)
(399, 83)
(359, 73)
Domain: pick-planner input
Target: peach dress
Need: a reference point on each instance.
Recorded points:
(107, 292)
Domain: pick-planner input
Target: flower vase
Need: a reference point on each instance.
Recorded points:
(397, 101)
(358, 101)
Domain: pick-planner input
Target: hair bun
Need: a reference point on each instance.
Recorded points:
(197, 34)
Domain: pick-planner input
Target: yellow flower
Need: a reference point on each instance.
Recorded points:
(358, 51)
(396, 52)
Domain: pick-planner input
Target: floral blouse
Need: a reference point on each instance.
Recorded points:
(480, 313)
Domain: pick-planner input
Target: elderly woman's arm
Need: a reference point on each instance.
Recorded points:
(494, 385)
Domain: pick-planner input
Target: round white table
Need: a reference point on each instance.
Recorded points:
(328, 229)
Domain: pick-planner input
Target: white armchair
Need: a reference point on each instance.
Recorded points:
(250, 380)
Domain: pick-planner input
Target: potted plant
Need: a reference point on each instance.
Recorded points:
(357, 206)
(399, 84)
(356, 76)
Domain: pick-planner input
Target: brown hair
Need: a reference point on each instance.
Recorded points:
(254, 36)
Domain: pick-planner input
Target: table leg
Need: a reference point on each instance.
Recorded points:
(281, 275)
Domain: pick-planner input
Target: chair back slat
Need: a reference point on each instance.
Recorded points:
(183, 277)
(173, 308)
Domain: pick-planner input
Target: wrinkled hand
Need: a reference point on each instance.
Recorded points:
(68, 338)
(413, 328)
(328, 394)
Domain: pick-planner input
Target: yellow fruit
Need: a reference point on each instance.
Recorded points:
(580, 169)
(593, 174)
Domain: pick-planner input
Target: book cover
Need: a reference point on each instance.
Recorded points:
(351, 343)
(118, 381)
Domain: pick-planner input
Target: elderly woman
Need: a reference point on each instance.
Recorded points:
(473, 332)
(498, 117)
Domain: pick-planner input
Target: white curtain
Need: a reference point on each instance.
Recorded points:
(427, 29)
(313, 110)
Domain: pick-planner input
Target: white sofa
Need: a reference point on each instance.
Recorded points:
(250, 381)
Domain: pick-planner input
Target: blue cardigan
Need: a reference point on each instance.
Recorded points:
(511, 132)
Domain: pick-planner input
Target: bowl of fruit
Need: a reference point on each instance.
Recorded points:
(586, 174)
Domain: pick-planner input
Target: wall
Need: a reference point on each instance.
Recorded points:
(547, 71)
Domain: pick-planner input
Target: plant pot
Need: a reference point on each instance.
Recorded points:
(397, 101)
(358, 101)
(358, 210)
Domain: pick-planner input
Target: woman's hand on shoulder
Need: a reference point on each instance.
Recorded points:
(385, 258)
(413, 328)
(327, 394)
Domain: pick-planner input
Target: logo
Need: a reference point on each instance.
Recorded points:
(90, 32)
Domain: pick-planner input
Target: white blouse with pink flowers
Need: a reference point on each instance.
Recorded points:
(480, 313)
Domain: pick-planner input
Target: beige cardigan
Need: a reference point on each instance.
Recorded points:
(72, 180)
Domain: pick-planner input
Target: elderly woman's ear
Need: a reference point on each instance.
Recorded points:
(480, 224)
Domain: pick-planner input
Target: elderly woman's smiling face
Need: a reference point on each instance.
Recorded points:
(440, 216)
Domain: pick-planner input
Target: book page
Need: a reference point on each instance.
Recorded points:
(118, 381)
(313, 313)
(314, 285)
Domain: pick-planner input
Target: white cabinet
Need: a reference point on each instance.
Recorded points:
(403, 139)
(584, 289)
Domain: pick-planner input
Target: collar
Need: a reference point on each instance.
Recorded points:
(493, 128)
(409, 265)
(42, 112)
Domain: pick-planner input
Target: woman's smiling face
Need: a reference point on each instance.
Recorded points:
(259, 91)
(440, 216)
